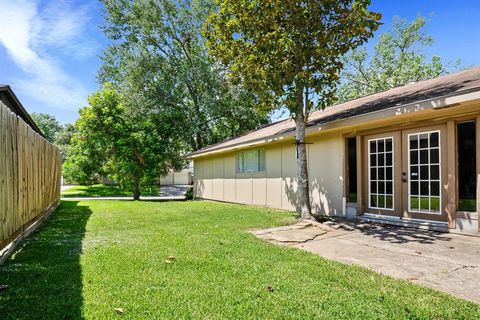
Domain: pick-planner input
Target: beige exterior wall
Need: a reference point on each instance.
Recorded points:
(216, 177)
(182, 177)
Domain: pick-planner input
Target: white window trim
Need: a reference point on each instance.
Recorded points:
(439, 212)
(393, 175)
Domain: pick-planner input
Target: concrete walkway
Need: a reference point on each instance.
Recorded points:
(66, 187)
(144, 198)
(167, 193)
(446, 262)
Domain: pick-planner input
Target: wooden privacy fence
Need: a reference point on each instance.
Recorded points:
(29, 176)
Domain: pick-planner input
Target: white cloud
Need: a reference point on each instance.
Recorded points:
(35, 40)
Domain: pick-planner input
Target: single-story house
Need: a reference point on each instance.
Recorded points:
(407, 156)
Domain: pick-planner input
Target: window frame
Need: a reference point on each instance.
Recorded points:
(457, 189)
(369, 167)
(259, 152)
(429, 180)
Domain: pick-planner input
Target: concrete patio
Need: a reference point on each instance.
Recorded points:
(442, 261)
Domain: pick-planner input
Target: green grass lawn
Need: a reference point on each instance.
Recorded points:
(94, 256)
(100, 190)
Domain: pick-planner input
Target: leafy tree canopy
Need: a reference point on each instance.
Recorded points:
(158, 51)
(131, 146)
(398, 58)
(48, 124)
(289, 53)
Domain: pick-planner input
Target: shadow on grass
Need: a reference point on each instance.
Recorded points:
(44, 275)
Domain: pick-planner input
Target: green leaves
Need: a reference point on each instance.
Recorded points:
(115, 139)
(159, 53)
(288, 46)
(398, 59)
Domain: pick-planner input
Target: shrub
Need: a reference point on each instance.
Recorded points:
(189, 194)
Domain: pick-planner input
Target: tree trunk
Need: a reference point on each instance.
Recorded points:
(136, 189)
(303, 201)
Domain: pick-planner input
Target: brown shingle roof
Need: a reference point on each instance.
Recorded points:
(455, 83)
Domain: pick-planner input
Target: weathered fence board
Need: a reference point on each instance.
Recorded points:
(29, 176)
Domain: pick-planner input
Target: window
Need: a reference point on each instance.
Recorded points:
(352, 169)
(466, 162)
(251, 161)
(424, 171)
(380, 173)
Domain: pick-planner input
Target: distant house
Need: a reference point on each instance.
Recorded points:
(182, 177)
(408, 156)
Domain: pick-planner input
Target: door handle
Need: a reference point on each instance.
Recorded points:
(404, 177)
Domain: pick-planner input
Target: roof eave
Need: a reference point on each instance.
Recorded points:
(21, 109)
(442, 102)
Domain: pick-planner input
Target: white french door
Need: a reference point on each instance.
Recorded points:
(424, 170)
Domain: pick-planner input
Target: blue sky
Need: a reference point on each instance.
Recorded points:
(49, 49)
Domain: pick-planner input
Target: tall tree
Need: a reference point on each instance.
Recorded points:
(398, 59)
(133, 147)
(48, 124)
(158, 50)
(289, 53)
(63, 139)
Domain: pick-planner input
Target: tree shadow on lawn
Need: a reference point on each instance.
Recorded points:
(44, 275)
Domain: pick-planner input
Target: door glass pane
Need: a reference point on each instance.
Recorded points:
(423, 138)
(388, 145)
(389, 187)
(424, 172)
(380, 146)
(373, 201)
(435, 172)
(434, 155)
(413, 203)
(381, 159)
(424, 205)
(381, 179)
(414, 143)
(389, 173)
(435, 204)
(434, 138)
(414, 174)
(424, 156)
(435, 188)
(381, 173)
(389, 202)
(389, 159)
(414, 188)
(413, 157)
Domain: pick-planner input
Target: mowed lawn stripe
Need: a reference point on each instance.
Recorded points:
(190, 260)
